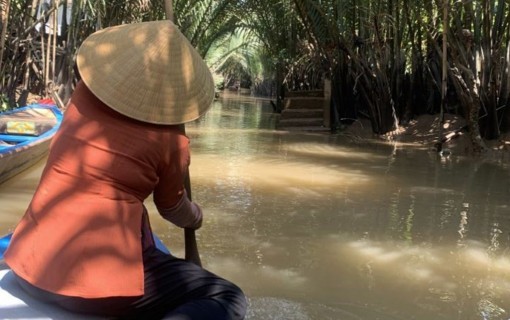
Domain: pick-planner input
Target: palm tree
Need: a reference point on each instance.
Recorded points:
(206, 22)
(275, 25)
(384, 57)
(235, 57)
(40, 60)
(358, 67)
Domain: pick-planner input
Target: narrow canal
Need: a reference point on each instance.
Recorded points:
(316, 226)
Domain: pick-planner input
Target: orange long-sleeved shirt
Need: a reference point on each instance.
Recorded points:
(80, 235)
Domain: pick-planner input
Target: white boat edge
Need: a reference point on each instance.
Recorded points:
(16, 304)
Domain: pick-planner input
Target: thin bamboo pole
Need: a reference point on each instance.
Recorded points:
(55, 35)
(444, 77)
(5, 20)
(43, 52)
(169, 10)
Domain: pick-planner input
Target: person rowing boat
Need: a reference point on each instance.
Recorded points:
(85, 241)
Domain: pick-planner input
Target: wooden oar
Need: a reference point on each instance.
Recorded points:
(190, 242)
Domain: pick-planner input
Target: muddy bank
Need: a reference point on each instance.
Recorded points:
(425, 131)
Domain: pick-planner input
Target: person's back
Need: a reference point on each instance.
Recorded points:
(112, 169)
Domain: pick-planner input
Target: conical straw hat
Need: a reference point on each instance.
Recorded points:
(147, 71)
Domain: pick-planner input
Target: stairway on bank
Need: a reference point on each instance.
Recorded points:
(305, 111)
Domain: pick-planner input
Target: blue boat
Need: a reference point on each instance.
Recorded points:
(25, 135)
(4, 243)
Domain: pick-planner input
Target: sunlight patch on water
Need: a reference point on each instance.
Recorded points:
(435, 265)
(423, 280)
(409, 262)
(193, 132)
(331, 151)
(479, 259)
(277, 174)
(433, 190)
(276, 280)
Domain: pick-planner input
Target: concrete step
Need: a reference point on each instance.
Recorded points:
(304, 103)
(308, 93)
(300, 122)
(302, 113)
(306, 129)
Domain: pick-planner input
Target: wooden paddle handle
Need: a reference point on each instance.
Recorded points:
(190, 242)
(191, 248)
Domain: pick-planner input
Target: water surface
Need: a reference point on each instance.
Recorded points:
(319, 226)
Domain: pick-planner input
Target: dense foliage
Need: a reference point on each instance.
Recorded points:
(388, 60)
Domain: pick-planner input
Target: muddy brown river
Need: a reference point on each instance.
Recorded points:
(319, 226)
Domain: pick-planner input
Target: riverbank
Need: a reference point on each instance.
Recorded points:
(424, 132)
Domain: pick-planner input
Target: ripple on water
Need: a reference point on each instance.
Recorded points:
(273, 308)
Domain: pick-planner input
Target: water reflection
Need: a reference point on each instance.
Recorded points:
(316, 226)
(15, 194)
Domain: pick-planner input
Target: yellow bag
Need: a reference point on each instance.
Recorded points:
(21, 127)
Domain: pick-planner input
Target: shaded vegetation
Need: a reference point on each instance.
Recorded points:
(388, 60)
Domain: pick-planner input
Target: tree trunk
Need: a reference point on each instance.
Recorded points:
(468, 95)
(169, 10)
(280, 89)
(4, 11)
(444, 69)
